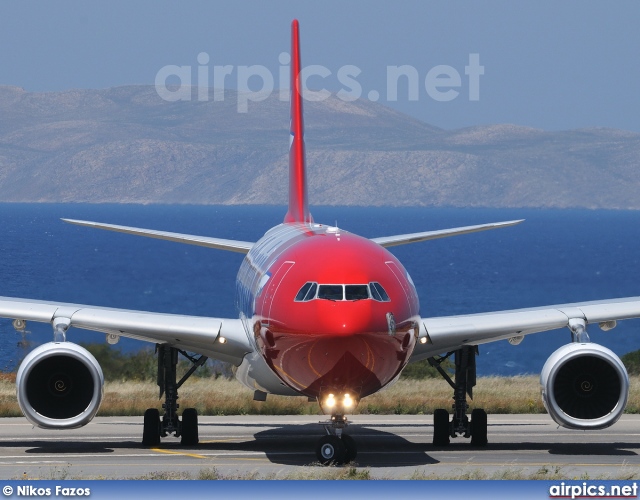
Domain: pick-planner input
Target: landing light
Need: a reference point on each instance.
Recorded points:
(330, 401)
(423, 340)
(222, 340)
(347, 402)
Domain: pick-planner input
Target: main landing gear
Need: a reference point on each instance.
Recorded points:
(336, 448)
(154, 427)
(465, 380)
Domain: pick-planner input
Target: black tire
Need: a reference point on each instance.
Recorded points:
(440, 428)
(189, 427)
(478, 428)
(352, 448)
(331, 451)
(151, 427)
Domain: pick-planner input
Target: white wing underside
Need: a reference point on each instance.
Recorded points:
(191, 333)
(448, 333)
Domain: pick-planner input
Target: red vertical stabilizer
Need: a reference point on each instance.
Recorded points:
(298, 204)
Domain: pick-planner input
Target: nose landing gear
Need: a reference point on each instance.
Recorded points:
(336, 448)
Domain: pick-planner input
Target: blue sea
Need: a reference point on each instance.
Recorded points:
(554, 257)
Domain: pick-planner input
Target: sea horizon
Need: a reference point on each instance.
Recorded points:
(556, 256)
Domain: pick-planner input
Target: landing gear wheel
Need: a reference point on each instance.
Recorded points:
(440, 428)
(350, 444)
(151, 427)
(478, 428)
(331, 450)
(189, 427)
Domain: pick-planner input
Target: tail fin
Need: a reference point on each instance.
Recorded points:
(298, 204)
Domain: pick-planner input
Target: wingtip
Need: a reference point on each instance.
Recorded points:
(510, 222)
(77, 222)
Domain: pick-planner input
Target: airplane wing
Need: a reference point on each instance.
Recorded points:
(448, 333)
(203, 241)
(223, 339)
(403, 239)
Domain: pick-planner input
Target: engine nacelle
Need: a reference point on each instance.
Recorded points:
(584, 386)
(59, 386)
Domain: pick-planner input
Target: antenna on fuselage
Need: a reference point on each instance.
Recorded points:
(298, 203)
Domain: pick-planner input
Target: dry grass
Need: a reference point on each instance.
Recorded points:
(544, 473)
(624, 473)
(209, 396)
(228, 397)
(494, 394)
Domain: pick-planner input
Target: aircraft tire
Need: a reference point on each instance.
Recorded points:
(331, 451)
(440, 428)
(189, 427)
(151, 427)
(352, 448)
(478, 427)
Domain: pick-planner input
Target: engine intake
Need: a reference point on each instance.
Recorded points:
(584, 386)
(59, 386)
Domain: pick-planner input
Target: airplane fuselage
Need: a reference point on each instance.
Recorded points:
(328, 311)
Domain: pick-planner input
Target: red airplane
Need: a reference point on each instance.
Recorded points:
(326, 314)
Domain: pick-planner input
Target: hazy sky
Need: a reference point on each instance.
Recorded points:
(547, 64)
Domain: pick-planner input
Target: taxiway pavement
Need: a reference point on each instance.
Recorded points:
(389, 447)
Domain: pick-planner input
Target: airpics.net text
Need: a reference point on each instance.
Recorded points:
(256, 82)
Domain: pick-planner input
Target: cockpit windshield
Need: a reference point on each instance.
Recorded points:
(356, 292)
(312, 290)
(331, 292)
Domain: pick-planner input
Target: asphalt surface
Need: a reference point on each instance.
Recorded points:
(389, 447)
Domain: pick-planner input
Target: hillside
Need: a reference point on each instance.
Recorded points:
(125, 144)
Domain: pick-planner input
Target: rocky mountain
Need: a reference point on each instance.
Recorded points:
(126, 144)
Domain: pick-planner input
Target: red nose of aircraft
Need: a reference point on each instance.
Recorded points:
(338, 316)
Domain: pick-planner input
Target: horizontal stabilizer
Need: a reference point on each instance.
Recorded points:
(403, 239)
(203, 241)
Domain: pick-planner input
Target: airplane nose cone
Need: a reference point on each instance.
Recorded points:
(345, 346)
(349, 318)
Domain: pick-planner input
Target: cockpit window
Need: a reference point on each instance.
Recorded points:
(375, 295)
(312, 290)
(378, 293)
(307, 292)
(356, 292)
(330, 292)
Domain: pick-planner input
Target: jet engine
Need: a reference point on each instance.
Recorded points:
(59, 386)
(584, 386)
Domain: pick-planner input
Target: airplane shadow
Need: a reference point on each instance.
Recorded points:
(569, 449)
(63, 447)
(295, 445)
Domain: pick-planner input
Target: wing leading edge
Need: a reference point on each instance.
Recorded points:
(448, 333)
(223, 339)
(203, 241)
(403, 239)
